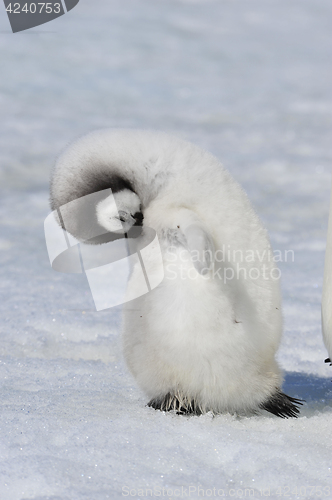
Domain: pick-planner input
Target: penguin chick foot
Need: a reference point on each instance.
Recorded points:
(282, 405)
(176, 402)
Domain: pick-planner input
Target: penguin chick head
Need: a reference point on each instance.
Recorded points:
(120, 211)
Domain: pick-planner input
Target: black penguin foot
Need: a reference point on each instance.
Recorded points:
(176, 402)
(282, 405)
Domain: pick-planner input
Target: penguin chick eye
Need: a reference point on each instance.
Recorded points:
(126, 217)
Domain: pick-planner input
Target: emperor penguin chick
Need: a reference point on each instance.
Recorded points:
(205, 338)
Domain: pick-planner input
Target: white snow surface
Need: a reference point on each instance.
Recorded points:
(249, 80)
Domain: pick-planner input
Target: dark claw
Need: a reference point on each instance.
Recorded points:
(282, 405)
(182, 406)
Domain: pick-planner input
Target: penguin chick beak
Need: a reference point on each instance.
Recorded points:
(138, 216)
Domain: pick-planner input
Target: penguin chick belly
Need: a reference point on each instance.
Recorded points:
(181, 338)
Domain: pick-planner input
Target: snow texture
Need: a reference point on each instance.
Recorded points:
(249, 80)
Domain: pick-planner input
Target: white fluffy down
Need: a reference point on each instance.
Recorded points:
(115, 213)
(210, 337)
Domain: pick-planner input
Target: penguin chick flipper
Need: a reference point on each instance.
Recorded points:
(175, 402)
(282, 405)
(200, 246)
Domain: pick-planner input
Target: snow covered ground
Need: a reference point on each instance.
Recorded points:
(251, 81)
